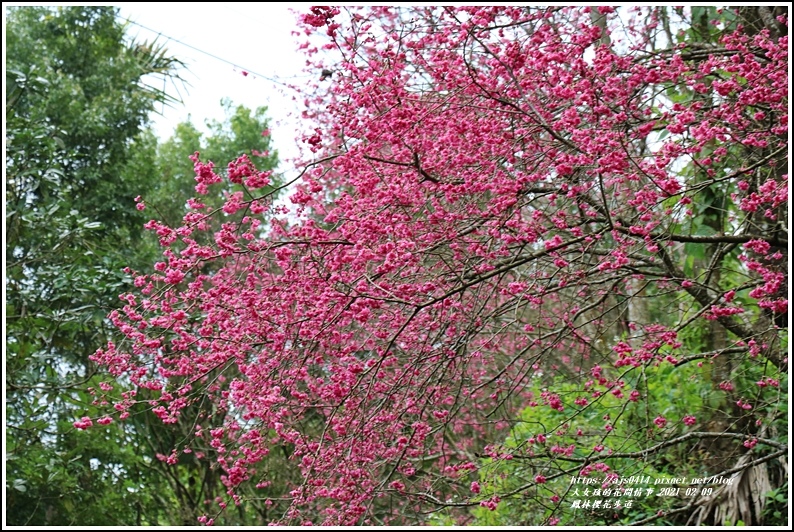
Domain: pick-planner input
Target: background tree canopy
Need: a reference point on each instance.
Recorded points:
(78, 99)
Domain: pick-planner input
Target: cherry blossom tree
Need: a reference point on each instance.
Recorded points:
(516, 232)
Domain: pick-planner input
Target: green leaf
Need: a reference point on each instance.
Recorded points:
(19, 485)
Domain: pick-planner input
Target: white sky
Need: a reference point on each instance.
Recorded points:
(252, 37)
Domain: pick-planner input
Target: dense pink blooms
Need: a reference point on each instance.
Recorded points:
(479, 211)
(491, 503)
(84, 423)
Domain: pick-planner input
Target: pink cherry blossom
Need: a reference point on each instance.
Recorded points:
(487, 201)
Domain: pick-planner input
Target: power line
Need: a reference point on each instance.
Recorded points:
(235, 65)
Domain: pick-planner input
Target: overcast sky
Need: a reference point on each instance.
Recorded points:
(218, 41)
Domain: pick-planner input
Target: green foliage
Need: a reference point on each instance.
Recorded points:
(66, 478)
(78, 152)
(776, 509)
(242, 132)
(76, 105)
(96, 100)
(673, 392)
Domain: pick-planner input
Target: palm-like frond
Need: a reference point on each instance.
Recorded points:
(156, 63)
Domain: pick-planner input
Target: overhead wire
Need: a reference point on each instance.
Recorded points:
(217, 58)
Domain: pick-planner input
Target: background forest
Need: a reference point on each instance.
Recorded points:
(78, 100)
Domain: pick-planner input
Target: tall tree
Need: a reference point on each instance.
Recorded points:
(242, 132)
(76, 103)
(78, 153)
(499, 207)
